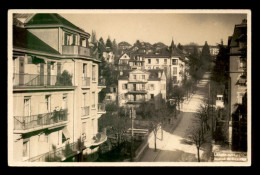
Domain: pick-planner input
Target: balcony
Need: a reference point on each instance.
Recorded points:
(86, 81)
(101, 108)
(39, 80)
(132, 101)
(137, 91)
(85, 111)
(59, 154)
(24, 124)
(75, 50)
(97, 139)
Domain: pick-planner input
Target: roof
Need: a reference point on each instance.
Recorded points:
(51, 19)
(239, 30)
(22, 38)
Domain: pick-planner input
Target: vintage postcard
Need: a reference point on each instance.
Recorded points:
(129, 87)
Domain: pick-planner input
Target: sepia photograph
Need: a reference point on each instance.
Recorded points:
(133, 87)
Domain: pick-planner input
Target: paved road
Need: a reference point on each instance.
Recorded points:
(174, 147)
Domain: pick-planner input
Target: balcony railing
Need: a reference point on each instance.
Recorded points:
(40, 80)
(85, 81)
(75, 50)
(40, 120)
(59, 154)
(102, 107)
(99, 138)
(85, 111)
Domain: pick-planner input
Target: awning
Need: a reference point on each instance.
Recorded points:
(66, 133)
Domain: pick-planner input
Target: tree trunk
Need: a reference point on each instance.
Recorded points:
(198, 149)
(161, 132)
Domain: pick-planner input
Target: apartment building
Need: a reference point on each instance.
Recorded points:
(138, 86)
(238, 87)
(172, 60)
(55, 91)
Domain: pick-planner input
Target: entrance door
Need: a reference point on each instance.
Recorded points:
(48, 73)
(41, 74)
(21, 71)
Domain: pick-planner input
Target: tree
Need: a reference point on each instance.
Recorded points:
(109, 43)
(205, 57)
(65, 79)
(114, 46)
(198, 137)
(179, 46)
(178, 95)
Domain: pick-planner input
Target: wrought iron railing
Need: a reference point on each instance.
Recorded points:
(85, 81)
(59, 154)
(85, 111)
(40, 120)
(40, 80)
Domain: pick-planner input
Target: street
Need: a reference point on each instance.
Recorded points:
(174, 147)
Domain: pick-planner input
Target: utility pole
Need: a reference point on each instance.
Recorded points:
(132, 133)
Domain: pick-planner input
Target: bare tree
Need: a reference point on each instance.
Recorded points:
(198, 137)
(154, 124)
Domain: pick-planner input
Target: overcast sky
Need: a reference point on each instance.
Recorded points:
(183, 28)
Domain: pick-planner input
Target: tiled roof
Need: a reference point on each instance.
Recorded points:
(22, 38)
(238, 31)
(51, 18)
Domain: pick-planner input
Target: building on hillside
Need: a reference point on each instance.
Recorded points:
(111, 95)
(238, 87)
(123, 62)
(109, 56)
(55, 91)
(123, 46)
(139, 86)
(212, 49)
(172, 60)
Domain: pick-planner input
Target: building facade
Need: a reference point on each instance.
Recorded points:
(238, 87)
(138, 86)
(55, 91)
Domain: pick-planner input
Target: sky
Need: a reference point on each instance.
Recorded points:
(159, 27)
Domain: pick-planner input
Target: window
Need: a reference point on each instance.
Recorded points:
(93, 100)
(174, 62)
(29, 59)
(151, 86)
(93, 126)
(84, 70)
(26, 148)
(134, 77)
(124, 86)
(174, 70)
(134, 87)
(64, 101)
(143, 77)
(48, 103)
(93, 73)
(149, 61)
(143, 86)
(84, 127)
(165, 61)
(240, 97)
(126, 97)
(84, 99)
(152, 96)
(157, 61)
(27, 106)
